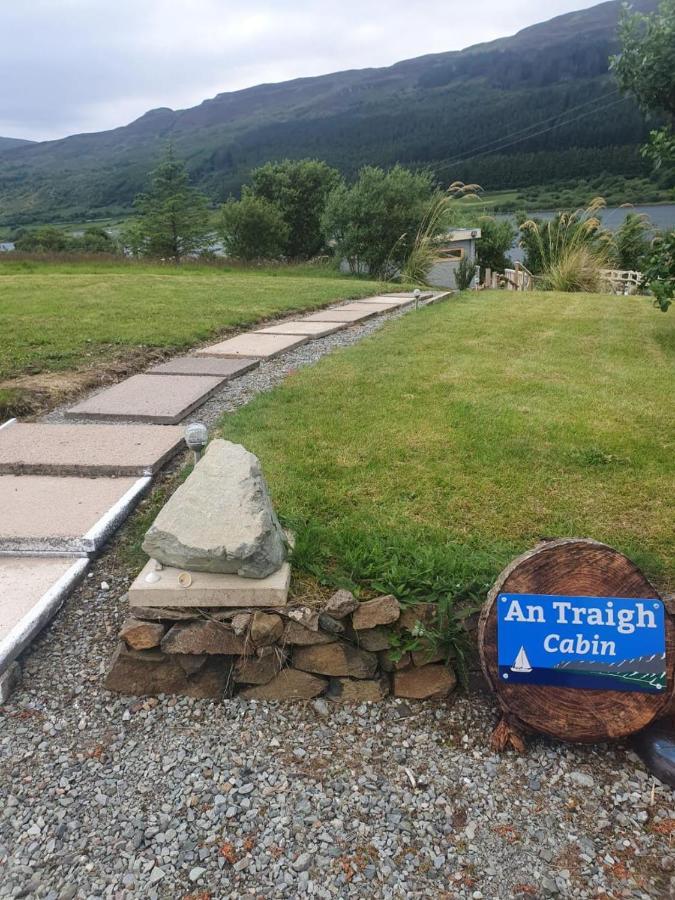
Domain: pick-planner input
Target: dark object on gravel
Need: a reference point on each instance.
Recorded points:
(656, 747)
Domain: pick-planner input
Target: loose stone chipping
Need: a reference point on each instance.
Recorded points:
(220, 519)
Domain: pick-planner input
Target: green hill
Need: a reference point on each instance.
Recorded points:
(446, 111)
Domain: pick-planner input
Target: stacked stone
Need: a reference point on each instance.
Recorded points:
(210, 614)
(287, 653)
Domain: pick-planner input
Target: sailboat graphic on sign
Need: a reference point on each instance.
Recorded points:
(522, 663)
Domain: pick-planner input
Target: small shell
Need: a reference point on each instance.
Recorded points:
(185, 579)
(152, 577)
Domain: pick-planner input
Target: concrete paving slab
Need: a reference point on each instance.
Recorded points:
(31, 591)
(163, 399)
(311, 329)
(253, 343)
(378, 306)
(43, 513)
(390, 301)
(36, 449)
(409, 295)
(226, 367)
(342, 315)
(207, 588)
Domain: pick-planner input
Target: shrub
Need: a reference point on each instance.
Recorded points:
(660, 270)
(630, 241)
(575, 269)
(374, 223)
(464, 272)
(43, 240)
(496, 239)
(299, 190)
(253, 228)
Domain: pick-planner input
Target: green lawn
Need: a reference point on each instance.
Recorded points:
(57, 316)
(423, 458)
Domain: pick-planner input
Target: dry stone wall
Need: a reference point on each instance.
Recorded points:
(341, 650)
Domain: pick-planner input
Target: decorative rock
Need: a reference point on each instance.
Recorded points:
(290, 684)
(427, 655)
(137, 672)
(159, 613)
(140, 635)
(341, 604)
(417, 614)
(380, 611)
(254, 670)
(298, 635)
(220, 519)
(387, 664)
(375, 639)
(240, 623)
(427, 683)
(336, 659)
(357, 691)
(303, 615)
(203, 636)
(331, 625)
(266, 628)
(656, 746)
(189, 662)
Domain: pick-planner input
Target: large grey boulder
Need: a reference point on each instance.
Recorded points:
(220, 519)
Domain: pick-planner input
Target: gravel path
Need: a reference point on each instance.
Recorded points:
(102, 796)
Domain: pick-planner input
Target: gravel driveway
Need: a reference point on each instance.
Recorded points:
(102, 796)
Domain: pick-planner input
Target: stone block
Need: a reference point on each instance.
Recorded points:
(259, 670)
(338, 659)
(41, 513)
(140, 635)
(311, 329)
(297, 635)
(417, 614)
(426, 683)
(221, 519)
(341, 604)
(138, 672)
(206, 589)
(90, 450)
(374, 639)
(427, 654)
(254, 344)
(289, 684)
(365, 690)
(266, 628)
(379, 611)
(204, 636)
(162, 399)
(387, 664)
(342, 315)
(217, 367)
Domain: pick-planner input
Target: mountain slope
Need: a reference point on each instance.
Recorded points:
(9, 143)
(435, 110)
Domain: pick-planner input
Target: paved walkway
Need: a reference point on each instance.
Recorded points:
(65, 488)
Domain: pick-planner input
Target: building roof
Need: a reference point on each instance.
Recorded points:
(462, 234)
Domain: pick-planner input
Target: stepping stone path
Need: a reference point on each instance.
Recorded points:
(254, 343)
(51, 505)
(162, 399)
(34, 449)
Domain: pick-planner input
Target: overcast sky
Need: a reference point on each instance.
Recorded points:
(68, 66)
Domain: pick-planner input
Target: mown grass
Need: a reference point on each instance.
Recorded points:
(56, 316)
(422, 459)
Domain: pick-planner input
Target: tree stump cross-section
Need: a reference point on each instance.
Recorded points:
(571, 567)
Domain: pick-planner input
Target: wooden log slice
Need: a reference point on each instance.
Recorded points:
(572, 567)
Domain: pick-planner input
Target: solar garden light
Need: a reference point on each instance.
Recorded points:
(417, 296)
(197, 437)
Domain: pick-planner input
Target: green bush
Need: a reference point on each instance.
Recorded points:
(496, 239)
(299, 190)
(660, 270)
(373, 224)
(464, 272)
(253, 228)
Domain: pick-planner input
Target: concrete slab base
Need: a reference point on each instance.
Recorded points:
(42, 513)
(409, 295)
(31, 591)
(385, 300)
(377, 305)
(342, 314)
(311, 329)
(162, 588)
(205, 365)
(35, 449)
(254, 343)
(162, 399)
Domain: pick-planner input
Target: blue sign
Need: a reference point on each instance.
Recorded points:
(596, 643)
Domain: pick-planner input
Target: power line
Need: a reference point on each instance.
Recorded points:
(498, 145)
